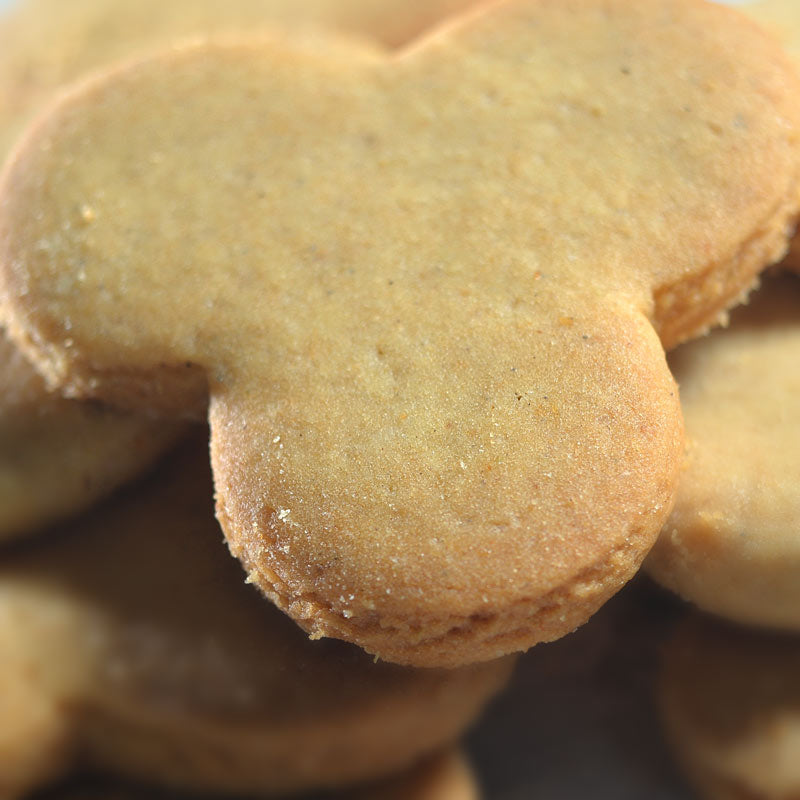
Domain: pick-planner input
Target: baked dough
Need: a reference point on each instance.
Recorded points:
(731, 544)
(58, 457)
(130, 643)
(424, 293)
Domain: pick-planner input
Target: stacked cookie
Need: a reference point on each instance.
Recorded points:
(422, 297)
(157, 662)
(729, 692)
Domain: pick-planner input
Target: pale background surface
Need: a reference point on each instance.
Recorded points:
(579, 721)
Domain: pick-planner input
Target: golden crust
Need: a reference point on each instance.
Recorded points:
(60, 457)
(438, 402)
(144, 654)
(47, 44)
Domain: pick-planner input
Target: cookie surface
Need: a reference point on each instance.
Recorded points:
(58, 457)
(781, 18)
(423, 294)
(46, 44)
(731, 543)
(730, 702)
(143, 654)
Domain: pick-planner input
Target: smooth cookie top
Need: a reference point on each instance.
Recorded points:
(423, 293)
(130, 643)
(731, 544)
(46, 44)
(58, 457)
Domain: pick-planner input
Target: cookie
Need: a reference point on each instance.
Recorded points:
(730, 702)
(57, 456)
(446, 776)
(143, 654)
(424, 293)
(731, 543)
(45, 44)
(781, 18)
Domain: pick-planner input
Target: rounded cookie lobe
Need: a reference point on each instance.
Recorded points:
(730, 544)
(423, 290)
(144, 655)
(446, 535)
(730, 707)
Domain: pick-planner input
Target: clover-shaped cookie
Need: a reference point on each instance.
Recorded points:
(424, 293)
(731, 543)
(57, 457)
(130, 643)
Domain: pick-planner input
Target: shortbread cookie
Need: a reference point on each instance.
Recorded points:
(424, 293)
(731, 544)
(45, 44)
(730, 700)
(447, 776)
(782, 18)
(58, 457)
(130, 643)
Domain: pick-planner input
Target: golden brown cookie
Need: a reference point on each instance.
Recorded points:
(45, 44)
(130, 643)
(781, 18)
(57, 456)
(731, 544)
(423, 293)
(730, 702)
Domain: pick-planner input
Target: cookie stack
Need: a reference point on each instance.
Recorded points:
(422, 294)
(729, 688)
(729, 691)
